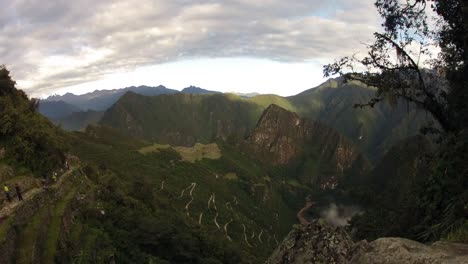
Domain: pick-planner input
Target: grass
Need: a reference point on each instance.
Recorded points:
(55, 227)
(153, 148)
(176, 167)
(190, 154)
(29, 236)
(4, 227)
(460, 235)
(231, 176)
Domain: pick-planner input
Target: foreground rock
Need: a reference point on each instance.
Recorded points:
(391, 250)
(319, 242)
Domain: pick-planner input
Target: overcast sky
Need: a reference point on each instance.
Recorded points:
(266, 46)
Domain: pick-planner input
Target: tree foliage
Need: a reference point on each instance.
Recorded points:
(397, 69)
(438, 85)
(29, 138)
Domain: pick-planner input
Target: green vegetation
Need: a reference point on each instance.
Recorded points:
(55, 227)
(28, 138)
(183, 119)
(146, 217)
(459, 235)
(422, 194)
(30, 236)
(190, 154)
(153, 148)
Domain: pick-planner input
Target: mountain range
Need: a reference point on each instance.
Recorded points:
(224, 116)
(201, 177)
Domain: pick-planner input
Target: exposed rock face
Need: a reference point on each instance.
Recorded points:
(282, 138)
(278, 135)
(319, 242)
(391, 250)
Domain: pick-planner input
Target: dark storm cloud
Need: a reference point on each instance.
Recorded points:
(52, 44)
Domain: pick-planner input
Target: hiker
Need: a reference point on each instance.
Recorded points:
(67, 165)
(54, 177)
(18, 192)
(7, 192)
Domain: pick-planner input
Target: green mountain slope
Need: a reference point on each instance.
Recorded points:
(373, 130)
(79, 120)
(186, 119)
(391, 189)
(27, 138)
(227, 208)
(183, 119)
(56, 109)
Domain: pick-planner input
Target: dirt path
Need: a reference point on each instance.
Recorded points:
(200, 218)
(301, 213)
(216, 221)
(245, 236)
(226, 230)
(260, 236)
(9, 208)
(212, 201)
(162, 185)
(191, 186)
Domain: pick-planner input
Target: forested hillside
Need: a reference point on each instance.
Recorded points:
(183, 119)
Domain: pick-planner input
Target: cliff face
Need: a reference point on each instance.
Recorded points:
(278, 136)
(321, 243)
(319, 153)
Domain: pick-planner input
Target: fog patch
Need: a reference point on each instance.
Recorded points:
(339, 215)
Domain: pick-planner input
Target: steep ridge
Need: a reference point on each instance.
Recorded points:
(319, 154)
(374, 130)
(389, 191)
(182, 119)
(79, 120)
(214, 116)
(56, 109)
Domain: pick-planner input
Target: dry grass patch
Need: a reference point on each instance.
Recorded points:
(190, 154)
(231, 176)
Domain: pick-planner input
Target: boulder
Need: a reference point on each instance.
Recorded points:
(396, 250)
(319, 242)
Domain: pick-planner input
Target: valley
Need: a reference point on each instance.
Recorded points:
(322, 132)
(374, 131)
(207, 177)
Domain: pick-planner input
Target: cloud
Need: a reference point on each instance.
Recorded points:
(53, 44)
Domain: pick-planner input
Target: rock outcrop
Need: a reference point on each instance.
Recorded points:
(317, 242)
(320, 242)
(395, 250)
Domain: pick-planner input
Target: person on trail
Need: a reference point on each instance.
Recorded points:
(67, 165)
(7, 192)
(18, 192)
(54, 177)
